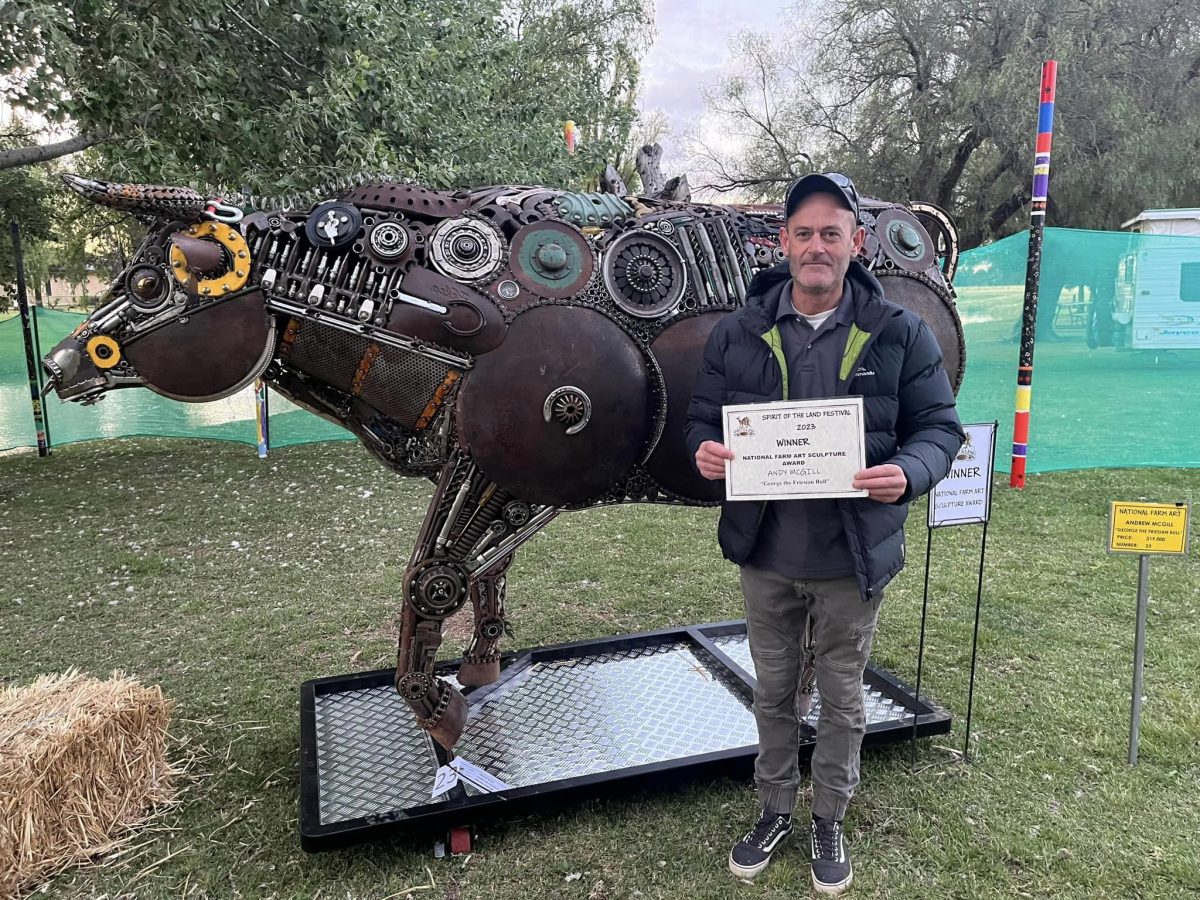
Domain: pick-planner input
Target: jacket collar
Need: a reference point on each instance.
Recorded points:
(758, 315)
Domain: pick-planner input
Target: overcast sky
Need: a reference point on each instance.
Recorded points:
(691, 50)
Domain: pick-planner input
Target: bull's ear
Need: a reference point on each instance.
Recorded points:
(157, 201)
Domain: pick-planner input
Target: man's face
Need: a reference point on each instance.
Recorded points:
(819, 239)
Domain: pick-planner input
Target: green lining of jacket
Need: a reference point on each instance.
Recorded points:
(855, 341)
(775, 341)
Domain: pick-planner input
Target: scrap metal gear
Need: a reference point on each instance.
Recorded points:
(942, 230)
(644, 273)
(389, 241)
(570, 406)
(552, 259)
(905, 241)
(467, 248)
(438, 588)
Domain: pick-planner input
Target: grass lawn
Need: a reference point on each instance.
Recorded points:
(230, 580)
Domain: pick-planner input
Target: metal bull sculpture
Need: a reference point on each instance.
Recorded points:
(527, 349)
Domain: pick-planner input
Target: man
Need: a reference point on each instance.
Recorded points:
(819, 326)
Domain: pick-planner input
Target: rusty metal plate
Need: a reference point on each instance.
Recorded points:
(933, 304)
(408, 198)
(561, 410)
(678, 350)
(178, 361)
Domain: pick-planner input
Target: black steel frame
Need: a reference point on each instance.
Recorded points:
(436, 818)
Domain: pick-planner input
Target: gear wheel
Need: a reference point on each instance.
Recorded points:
(645, 274)
(467, 249)
(438, 588)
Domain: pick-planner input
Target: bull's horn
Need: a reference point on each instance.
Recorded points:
(158, 201)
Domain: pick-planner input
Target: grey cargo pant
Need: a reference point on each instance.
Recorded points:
(777, 608)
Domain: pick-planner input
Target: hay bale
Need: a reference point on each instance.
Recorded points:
(80, 761)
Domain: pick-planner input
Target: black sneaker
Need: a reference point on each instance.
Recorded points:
(751, 854)
(831, 869)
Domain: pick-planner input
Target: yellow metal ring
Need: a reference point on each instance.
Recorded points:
(104, 351)
(239, 252)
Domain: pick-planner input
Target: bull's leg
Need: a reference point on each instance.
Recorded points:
(434, 590)
(481, 663)
(466, 544)
(435, 587)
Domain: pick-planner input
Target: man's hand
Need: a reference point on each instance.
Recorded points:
(884, 483)
(710, 460)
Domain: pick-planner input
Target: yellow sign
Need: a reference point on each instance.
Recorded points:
(1159, 528)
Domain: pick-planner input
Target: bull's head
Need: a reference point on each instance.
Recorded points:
(187, 286)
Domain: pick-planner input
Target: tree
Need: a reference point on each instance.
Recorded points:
(936, 100)
(275, 98)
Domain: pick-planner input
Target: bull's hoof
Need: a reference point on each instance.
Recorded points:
(450, 724)
(475, 674)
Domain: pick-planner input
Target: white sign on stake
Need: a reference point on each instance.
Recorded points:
(964, 496)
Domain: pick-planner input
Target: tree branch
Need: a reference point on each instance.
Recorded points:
(40, 153)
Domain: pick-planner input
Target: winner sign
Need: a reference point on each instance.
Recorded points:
(964, 496)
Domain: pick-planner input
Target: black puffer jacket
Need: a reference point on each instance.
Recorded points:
(891, 359)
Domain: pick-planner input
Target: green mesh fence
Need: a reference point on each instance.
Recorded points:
(135, 411)
(1117, 358)
(1116, 367)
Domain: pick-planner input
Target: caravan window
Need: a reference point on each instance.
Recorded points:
(1189, 282)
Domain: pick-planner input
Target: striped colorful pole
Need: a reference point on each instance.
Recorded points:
(1033, 271)
(31, 363)
(262, 417)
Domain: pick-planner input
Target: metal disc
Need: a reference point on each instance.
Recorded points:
(591, 372)
(933, 304)
(389, 241)
(677, 350)
(177, 360)
(552, 259)
(333, 224)
(904, 240)
(467, 249)
(644, 273)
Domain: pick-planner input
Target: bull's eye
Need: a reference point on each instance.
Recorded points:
(147, 284)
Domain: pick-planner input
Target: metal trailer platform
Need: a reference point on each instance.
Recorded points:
(562, 723)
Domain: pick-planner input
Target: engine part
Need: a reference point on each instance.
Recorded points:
(468, 249)
(552, 259)
(644, 273)
(548, 348)
(904, 240)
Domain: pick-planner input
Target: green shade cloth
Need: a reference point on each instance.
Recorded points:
(136, 411)
(1116, 369)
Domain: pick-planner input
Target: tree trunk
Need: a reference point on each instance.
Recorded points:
(676, 189)
(647, 162)
(611, 182)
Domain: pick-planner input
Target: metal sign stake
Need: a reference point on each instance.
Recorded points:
(1139, 656)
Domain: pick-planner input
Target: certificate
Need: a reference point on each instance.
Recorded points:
(794, 449)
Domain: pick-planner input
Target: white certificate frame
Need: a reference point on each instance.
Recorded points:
(743, 483)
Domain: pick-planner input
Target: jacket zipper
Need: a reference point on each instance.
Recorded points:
(774, 342)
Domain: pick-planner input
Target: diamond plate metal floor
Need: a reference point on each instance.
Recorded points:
(880, 708)
(560, 719)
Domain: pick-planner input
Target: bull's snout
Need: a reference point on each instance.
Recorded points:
(73, 375)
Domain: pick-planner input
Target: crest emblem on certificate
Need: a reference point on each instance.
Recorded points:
(967, 451)
(743, 427)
